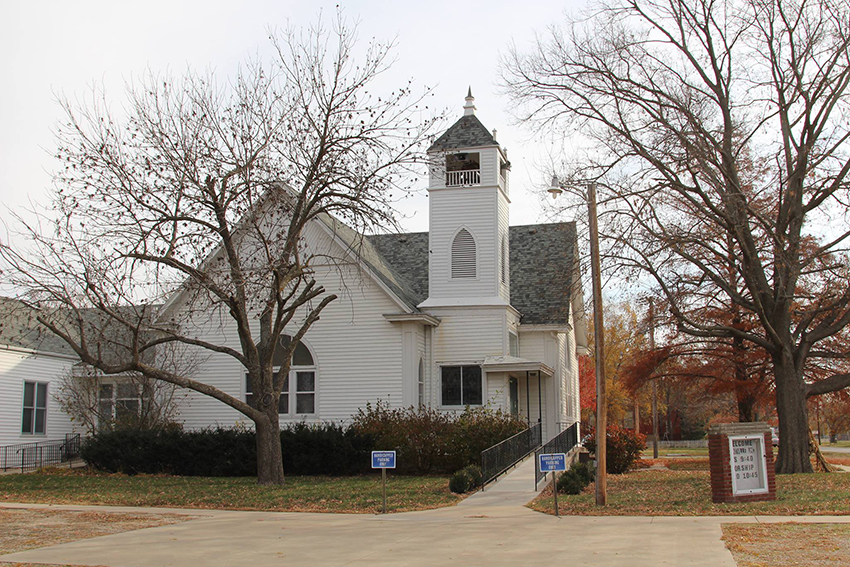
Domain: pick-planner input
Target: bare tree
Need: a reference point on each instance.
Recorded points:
(132, 402)
(722, 126)
(182, 218)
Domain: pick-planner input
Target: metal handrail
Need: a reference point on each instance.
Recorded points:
(563, 442)
(500, 457)
(31, 456)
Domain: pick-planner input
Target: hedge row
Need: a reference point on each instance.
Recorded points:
(426, 440)
(308, 450)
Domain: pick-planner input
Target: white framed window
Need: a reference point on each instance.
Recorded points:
(298, 395)
(513, 344)
(421, 383)
(118, 402)
(34, 414)
(463, 255)
(461, 385)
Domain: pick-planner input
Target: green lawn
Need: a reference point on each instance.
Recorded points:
(688, 451)
(686, 491)
(361, 494)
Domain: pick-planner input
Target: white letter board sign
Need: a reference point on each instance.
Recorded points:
(748, 464)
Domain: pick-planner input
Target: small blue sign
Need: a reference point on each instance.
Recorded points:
(383, 459)
(553, 462)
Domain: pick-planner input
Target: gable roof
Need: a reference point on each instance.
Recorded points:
(542, 265)
(19, 328)
(468, 132)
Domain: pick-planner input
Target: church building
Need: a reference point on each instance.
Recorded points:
(474, 312)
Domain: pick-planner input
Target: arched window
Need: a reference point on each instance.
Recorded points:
(298, 395)
(463, 255)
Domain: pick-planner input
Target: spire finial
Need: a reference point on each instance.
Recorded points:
(469, 107)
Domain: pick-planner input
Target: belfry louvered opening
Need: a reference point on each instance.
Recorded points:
(463, 255)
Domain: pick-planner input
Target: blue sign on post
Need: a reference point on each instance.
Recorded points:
(553, 462)
(383, 459)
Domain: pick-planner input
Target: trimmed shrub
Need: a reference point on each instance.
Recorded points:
(326, 449)
(623, 448)
(584, 471)
(427, 440)
(460, 483)
(475, 474)
(307, 450)
(575, 479)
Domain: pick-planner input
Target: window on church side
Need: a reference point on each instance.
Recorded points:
(463, 255)
(461, 385)
(513, 344)
(298, 395)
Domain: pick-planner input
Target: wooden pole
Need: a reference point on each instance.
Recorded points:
(651, 317)
(599, 341)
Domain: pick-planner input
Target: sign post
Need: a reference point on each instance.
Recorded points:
(383, 460)
(553, 462)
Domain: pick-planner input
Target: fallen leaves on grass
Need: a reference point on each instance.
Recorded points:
(29, 528)
(688, 493)
(814, 545)
(359, 494)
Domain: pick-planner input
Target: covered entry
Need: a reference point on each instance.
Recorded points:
(525, 386)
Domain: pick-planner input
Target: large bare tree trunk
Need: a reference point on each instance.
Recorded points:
(793, 418)
(269, 454)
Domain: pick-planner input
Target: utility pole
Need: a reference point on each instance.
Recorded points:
(599, 342)
(599, 339)
(654, 384)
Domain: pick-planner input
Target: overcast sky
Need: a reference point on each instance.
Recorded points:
(63, 47)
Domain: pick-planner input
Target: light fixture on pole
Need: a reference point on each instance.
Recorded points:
(556, 189)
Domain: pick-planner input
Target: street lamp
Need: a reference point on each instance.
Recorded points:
(556, 189)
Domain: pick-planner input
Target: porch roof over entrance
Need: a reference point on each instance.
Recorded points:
(515, 364)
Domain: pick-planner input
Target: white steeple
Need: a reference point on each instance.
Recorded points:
(469, 107)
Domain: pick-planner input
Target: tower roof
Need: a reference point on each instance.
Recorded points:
(468, 132)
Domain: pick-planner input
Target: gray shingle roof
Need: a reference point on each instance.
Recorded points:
(468, 132)
(19, 328)
(541, 263)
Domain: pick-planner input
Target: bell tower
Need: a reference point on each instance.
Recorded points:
(468, 216)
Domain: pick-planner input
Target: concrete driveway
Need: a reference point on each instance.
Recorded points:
(490, 528)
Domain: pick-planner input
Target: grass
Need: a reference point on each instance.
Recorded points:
(663, 452)
(361, 494)
(685, 491)
(754, 545)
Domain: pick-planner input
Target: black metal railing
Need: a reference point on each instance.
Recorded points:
(563, 442)
(502, 456)
(31, 456)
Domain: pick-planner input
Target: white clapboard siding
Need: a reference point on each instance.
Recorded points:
(489, 159)
(468, 334)
(498, 395)
(356, 350)
(16, 366)
(472, 209)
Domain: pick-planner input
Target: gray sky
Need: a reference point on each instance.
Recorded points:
(54, 47)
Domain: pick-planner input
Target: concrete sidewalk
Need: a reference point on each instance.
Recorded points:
(489, 528)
